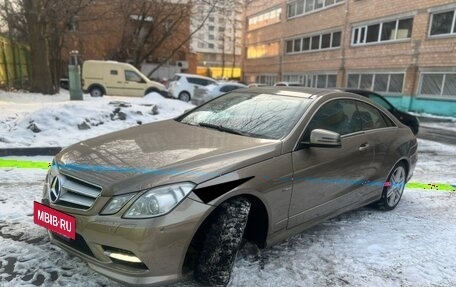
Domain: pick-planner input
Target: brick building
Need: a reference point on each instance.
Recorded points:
(111, 30)
(405, 50)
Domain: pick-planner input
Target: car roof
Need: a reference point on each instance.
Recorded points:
(358, 91)
(194, 76)
(231, 83)
(303, 92)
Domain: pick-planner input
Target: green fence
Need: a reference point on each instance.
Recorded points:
(14, 64)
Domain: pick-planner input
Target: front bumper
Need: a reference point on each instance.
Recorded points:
(160, 243)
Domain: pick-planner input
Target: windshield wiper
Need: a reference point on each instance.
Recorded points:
(223, 129)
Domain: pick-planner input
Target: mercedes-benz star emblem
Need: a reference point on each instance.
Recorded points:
(56, 189)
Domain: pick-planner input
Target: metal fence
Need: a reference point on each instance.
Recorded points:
(14, 64)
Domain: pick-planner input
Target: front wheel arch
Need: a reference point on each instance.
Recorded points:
(150, 90)
(256, 230)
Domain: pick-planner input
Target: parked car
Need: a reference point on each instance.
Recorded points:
(211, 91)
(288, 84)
(256, 85)
(407, 119)
(162, 201)
(183, 85)
(117, 79)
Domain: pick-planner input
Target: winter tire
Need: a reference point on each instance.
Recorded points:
(222, 242)
(393, 190)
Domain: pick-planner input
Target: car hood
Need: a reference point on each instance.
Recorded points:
(159, 153)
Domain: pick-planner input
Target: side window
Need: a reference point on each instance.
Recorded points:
(197, 81)
(337, 116)
(370, 117)
(114, 72)
(192, 80)
(388, 121)
(132, 76)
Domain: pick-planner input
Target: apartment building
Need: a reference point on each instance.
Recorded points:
(402, 49)
(218, 43)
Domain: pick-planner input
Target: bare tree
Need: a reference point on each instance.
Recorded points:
(43, 24)
(157, 29)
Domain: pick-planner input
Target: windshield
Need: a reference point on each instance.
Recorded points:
(256, 115)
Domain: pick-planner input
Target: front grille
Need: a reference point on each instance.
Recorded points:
(77, 194)
(79, 243)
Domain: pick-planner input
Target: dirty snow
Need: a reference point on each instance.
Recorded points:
(414, 245)
(57, 118)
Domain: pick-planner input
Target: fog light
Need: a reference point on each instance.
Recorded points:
(123, 257)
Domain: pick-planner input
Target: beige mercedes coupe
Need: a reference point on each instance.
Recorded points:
(165, 201)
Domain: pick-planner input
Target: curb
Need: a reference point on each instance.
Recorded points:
(29, 151)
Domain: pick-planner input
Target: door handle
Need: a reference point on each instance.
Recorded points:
(363, 147)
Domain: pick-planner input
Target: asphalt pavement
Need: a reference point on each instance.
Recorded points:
(438, 135)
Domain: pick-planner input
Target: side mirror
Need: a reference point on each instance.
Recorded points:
(324, 138)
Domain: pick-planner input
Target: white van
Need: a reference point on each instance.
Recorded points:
(117, 79)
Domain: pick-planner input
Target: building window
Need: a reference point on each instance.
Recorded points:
(313, 80)
(200, 45)
(263, 50)
(301, 7)
(268, 80)
(211, 28)
(210, 46)
(313, 43)
(383, 32)
(438, 84)
(211, 19)
(264, 19)
(379, 82)
(443, 23)
(211, 37)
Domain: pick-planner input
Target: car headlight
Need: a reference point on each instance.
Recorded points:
(116, 203)
(159, 200)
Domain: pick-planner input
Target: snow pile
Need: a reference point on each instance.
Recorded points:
(35, 120)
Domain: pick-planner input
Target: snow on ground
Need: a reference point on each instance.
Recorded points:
(57, 118)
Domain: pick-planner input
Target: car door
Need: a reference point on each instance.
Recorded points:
(377, 128)
(326, 180)
(114, 82)
(134, 84)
